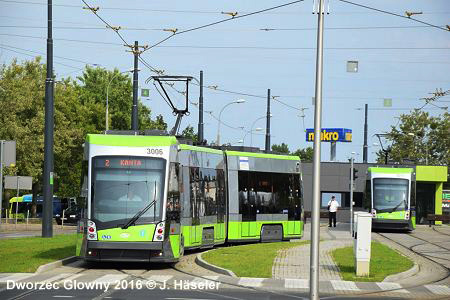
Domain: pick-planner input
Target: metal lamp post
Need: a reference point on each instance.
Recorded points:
(220, 115)
(107, 98)
(253, 124)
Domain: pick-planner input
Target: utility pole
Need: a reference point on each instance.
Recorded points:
(47, 212)
(315, 213)
(268, 123)
(365, 147)
(200, 111)
(134, 112)
(351, 194)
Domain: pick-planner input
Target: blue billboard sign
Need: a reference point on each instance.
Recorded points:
(331, 135)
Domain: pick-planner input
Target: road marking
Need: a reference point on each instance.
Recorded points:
(211, 277)
(342, 285)
(386, 286)
(71, 278)
(160, 278)
(205, 280)
(55, 278)
(252, 282)
(438, 289)
(62, 296)
(16, 277)
(293, 283)
(111, 278)
(186, 299)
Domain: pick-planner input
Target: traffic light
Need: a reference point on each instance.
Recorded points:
(355, 173)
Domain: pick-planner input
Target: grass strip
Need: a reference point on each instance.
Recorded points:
(254, 260)
(384, 261)
(27, 254)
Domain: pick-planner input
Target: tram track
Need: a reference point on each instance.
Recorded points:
(427, 257)
(33, 291)
(410, 248)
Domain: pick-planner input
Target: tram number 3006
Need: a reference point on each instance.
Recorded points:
(155, 151)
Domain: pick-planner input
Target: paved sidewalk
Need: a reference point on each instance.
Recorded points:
(295, 262)
(23, 230)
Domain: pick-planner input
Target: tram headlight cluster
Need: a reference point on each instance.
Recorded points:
(407, 215)
(374, 212)
(91, 231)
(159, 232)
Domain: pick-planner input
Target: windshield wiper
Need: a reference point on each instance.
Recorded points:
(141, 212)
(397, 206)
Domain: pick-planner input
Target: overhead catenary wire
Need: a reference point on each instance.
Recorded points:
(235, 47)
(188, 11)
(32, 55)
(56, 56)
(393, 14)
(235, 17)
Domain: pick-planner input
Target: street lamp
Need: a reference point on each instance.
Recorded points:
(251, 128)
(251, 131)
(107, 98)
(220, 115)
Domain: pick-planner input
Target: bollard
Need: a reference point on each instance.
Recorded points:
(362, 243)
(62, 220)
(28, 215)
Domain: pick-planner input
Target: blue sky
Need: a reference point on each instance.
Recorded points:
(398, 59)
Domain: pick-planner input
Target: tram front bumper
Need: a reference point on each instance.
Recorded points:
(125, 251)
(394, 224)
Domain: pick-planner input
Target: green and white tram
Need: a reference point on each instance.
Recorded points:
(390, 191)
(150, 197)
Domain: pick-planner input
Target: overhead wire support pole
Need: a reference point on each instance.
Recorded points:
(200, 111)
(315, 213)
(365, 146)
(47, 212)
(268, 122)
(134, 112)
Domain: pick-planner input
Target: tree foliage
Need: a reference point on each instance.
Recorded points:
(419, 138)
(282, 148)
(305, 154)
(79, 108)
(189, 133)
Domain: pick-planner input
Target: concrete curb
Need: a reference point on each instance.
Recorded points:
(56, 264)
(201, 262)
(399, 276)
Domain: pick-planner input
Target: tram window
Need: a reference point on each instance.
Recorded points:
(173, 197)
(220, 196)
(195, 191)
(367, 196)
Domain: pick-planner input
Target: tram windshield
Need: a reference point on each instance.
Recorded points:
(390, 194)
(123, 186)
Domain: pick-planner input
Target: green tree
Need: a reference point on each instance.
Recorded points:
(189, 133)
(305, 154)
(419, 138)
(79, 108)
(282, 148)
(22, 116)
(95, 83)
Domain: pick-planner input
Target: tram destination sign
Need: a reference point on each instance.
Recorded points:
(331, 135)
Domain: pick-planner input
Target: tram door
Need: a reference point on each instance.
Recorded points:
(425, 201)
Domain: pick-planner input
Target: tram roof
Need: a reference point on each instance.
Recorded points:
(130, 140)
(390, 170)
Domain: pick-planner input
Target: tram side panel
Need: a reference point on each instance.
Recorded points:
(203, 197)
(264, 197)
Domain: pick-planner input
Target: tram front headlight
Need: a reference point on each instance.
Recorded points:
(374, 212)
(407, 215)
